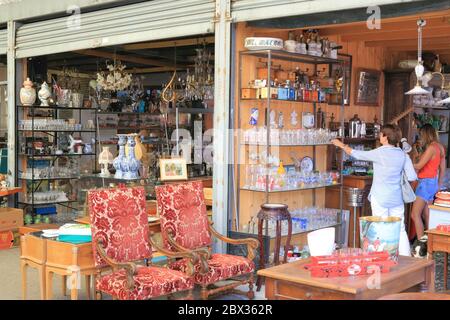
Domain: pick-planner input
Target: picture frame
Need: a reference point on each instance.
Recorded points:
(347, 71)
(367, 90)
(173, 169)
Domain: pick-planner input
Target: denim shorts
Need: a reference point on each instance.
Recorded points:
(427, 188)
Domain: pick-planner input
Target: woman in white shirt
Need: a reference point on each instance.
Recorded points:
(389, 161)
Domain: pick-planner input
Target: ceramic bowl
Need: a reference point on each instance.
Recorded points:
(321, 242)
(290, 45)
(263, 43)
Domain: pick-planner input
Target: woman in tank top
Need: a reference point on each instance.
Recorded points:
(431, 170)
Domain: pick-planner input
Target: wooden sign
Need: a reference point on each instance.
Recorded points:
(367, 87)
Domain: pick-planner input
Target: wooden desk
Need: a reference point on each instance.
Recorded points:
(291, 281)
(439, 241)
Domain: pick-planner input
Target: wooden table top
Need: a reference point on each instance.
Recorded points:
(437, 232)
(295, 272)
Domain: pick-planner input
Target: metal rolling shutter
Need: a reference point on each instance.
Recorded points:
(3, 41)
(248, 10)
(150, 20)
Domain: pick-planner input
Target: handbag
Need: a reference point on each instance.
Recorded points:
(407, 191)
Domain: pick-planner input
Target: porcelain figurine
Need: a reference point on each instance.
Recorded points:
(118, 161)
(133, 163)
(294, 121)
(27, 93)
(272, 119)
(254, 116)
(44, 94)
(88, 147)
(280, 120)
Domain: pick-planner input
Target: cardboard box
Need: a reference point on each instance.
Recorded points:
(10, 219)
(248, 93)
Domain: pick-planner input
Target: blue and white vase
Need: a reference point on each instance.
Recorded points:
(118, 161)
(132, 163)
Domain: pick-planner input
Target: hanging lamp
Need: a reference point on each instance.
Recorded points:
(419, 69)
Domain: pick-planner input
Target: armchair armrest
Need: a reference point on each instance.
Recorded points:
(129, 267)
(202, 254)
(192, 257)
(251, 243)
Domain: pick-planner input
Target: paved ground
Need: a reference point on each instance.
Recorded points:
(10, 280)
(11, 287)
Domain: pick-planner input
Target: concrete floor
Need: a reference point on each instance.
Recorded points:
(11, 286)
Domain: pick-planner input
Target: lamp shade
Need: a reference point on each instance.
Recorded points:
(444, 101)
(105, 157)
(417, 90)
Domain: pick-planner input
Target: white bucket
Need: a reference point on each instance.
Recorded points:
(321, 242)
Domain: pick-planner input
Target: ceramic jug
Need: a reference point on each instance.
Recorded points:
(44, 94)
(27, 93)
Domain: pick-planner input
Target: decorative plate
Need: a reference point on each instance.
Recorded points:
(263, 43)
(307, 164)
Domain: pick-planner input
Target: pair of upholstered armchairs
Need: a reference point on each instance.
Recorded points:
(121, 237)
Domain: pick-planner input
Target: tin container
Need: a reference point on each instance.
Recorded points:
(380, 234)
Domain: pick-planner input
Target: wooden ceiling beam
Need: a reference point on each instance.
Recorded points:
(112, 56)
(169, 43)
(397, 35)
(442, 39)
(386, 26)
(153, 70)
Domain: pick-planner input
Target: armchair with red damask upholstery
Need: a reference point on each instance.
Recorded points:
(120, 237)
(185, 228)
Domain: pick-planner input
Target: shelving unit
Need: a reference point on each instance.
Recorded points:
(30, 155)
(249, 199)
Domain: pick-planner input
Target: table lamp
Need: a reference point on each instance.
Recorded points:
(104, 159)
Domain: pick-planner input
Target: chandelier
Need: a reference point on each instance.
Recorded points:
(116, 79)
(199, 84)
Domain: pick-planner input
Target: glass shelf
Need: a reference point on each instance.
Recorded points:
(57, 108)
(50, 130)
(295, 232)
(48, 179)
(285, 145)
(290, 56)
(289, 190)
(281, 100)
(56, 155)
(45, 203)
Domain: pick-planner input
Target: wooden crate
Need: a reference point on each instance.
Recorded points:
(10, 219)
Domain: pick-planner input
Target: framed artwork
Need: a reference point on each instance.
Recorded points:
(173, 169)
(338, 71)
(367, 91)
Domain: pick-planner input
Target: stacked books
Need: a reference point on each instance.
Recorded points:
(75, 233)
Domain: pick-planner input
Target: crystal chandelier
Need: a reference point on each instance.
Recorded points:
(200, 83)
(116, 79)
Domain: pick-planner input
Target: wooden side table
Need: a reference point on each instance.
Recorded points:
(291, 281)
(278, 213)
(69, 260)
(33, 253)
(439, 241)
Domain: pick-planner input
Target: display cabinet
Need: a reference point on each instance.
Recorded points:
(51, 142)
(282, 140)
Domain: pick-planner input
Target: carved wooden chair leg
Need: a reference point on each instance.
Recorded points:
(250, 293)
(204, 292)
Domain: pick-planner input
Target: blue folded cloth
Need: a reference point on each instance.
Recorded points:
(76, 239)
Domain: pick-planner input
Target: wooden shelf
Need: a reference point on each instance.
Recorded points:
(9, 191)
(286, 145)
